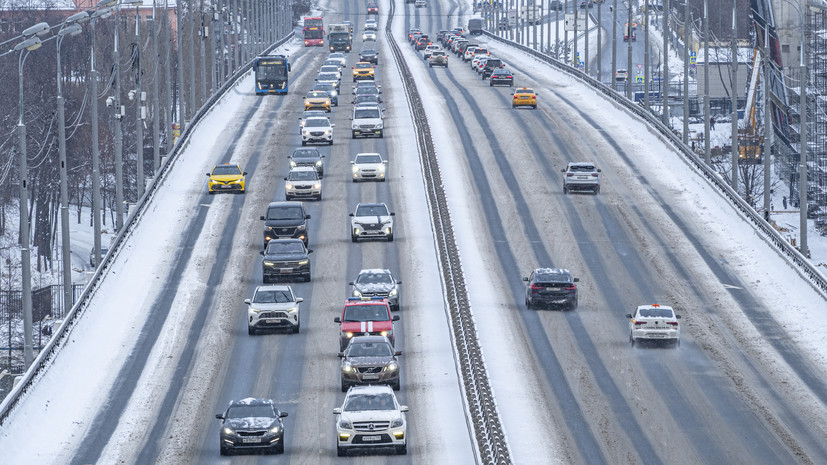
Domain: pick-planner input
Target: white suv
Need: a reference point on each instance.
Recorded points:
(369, 167)
(273, 307)
(583, 176)
(370, 417)
(371, 220)
(367, 121)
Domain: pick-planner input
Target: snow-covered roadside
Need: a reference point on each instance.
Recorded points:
(68, 393)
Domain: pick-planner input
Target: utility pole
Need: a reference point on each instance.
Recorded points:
(629, 64)
(576, 58)
(665, 79)
(802, 165)
(139, 110)
(646, 71)
(599, 42)
(156, 107)
(203, 31)
(586, 42)
(707, 115)
(193, 94)
(766, 150)
(168, 110)
(734, 61)
(614, 47)
(686, 72)
(116, 107)
(181, 100)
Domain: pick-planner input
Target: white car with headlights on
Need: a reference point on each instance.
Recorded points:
(369, 167)
(303, 182)
(371, 418)
(371, 221)
(273, 307)
(317, 129)
(367, 122)
(654, 323)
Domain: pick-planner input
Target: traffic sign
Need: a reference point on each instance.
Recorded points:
(638, 79)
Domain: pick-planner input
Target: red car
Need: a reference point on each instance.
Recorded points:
(365, 316)
(373, 8)
(421, 43)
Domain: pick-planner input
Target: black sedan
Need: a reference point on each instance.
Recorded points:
(251, 424)
(501, 77)
(285, 257)
(369, 55)
(551, 286)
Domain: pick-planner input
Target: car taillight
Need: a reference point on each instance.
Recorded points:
(672, 323)
(568, 175)
(570, 288)
(536, 287)
(594, 175)
(509, 77)
(638, 323)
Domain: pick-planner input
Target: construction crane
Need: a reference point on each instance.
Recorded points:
(750, 138)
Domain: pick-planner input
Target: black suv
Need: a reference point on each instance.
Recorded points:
(251, 424)
(307, 156)
(285, 257)
(490, 65)
(551, 286)
(369, 55)
(285, 220)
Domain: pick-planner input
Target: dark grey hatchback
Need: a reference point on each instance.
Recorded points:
(251, 424)
(551, 286)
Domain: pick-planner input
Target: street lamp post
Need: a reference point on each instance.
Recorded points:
(686, 72)
(707, 154)
(139, 108)
(70, 27)
(32, 42)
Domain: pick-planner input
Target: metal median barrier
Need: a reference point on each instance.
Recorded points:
(52, 348)
(795, 258)
(489, 436)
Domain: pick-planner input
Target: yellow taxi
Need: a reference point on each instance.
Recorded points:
(317, 100)
(227, 177)
(363, 70)
(524, 97)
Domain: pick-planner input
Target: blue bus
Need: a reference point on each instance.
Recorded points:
(271, 74)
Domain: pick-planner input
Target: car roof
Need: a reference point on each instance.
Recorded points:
(368, 153)
(251, 401)
(313, 118)
(303, 168)
(551, 271)
(273, 287)
(371, 389)
(373, 339)
(375, 271)
(583, 164)
(654, 306)
(371, 205)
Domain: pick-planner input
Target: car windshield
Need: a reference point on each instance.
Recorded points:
(225, 169)
(366, 99)
(370, 158)
(285, 247)
(325, 87)
(281, 296)
(317, 122)
(363, 65)
(361, 113)
(369, 349)
(285, 213)
(582, 168)
(306, 153)
(316, 95)
(551, 278)
(250, 411)
(368, 52)
(312, 113)
(372, 210)
(330, 69)
(655, 313)
(332, 63)
(374, 278)
(302, 175)
(524, 91)
(367, 90)
(438, 53)
(361, 402)
(328, 77)
(357, 313)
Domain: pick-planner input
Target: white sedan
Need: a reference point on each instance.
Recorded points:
(369, 35)
(369, 167)
(654, 323)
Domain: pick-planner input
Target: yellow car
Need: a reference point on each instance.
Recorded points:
(227, 178)
(317, 100)
(363, 70)
(524, 97)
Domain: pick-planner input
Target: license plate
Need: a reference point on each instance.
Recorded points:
(657, 335)
(582, 177)
(285, 270)
(250, 440)
(369, 377)
(371, 438)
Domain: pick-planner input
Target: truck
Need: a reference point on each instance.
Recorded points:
(339, 38)
(475, 26)
(630, 32)
(531, 14)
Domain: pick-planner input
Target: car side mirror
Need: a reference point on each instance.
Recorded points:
(629, 316)
(563, 170)
(395, 318)
(677, 317)
(393, 214)
(525, 279)
(350, 214)
(245, 173)
(247, 301)
(261, 253)
(385, 161)
(261, 218)
(282, 414)
(220, 416)
(403, 408)
(598, 171)
(299, 300)
(208, 174)
(337, 320)
(399, 282)
(577, 280)
(285, 179)
(397, 353)
(341, 354)
(332, 125)
(307, 217)
(309, 250)
(337, 411)
(350, 283)
(352, 162)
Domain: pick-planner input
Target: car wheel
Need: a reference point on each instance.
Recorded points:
(565, 190)
(251, 330)
(513, 106)
(402, 450)
(534, 107)
(490, 83)
(223, 450)
(390, 237)
(330, 142)
(528, 304)
(304, 142)
(572, 305)
(340, 451)
(631, 340)
(211, 192)
(397, 385)
(307, 278)
(677, 343)
(279, 449)
(596, 190)
(344, 386)
(430, 65)
(353, 238)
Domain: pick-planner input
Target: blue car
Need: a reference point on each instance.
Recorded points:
(331, 91)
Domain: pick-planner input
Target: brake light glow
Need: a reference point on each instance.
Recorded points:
(536, 287)
(672, 323)
(570, 288)
(639, 322)
(594, 175)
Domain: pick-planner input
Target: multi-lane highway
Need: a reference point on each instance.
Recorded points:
(569, 387)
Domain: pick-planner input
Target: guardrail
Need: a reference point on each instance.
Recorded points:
(52, 348)
(490, 440)
(800, 263)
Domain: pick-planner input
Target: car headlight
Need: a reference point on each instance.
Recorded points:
(275, 430)
(300, 227)
(327, 132)
(397, 423)
(354, 126)
(393, 293)
(227, 430)
(381, 168)
(355, 168)
(237, 181)
(380, 126)
(319, 163)
(304, 262)
(318, 185)
(347, 368)
(348, 335)
(266, 263)
(393, 366)
(345, 425)
(387, 333)
(292, 164)
(292, 309)
(356, 293)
